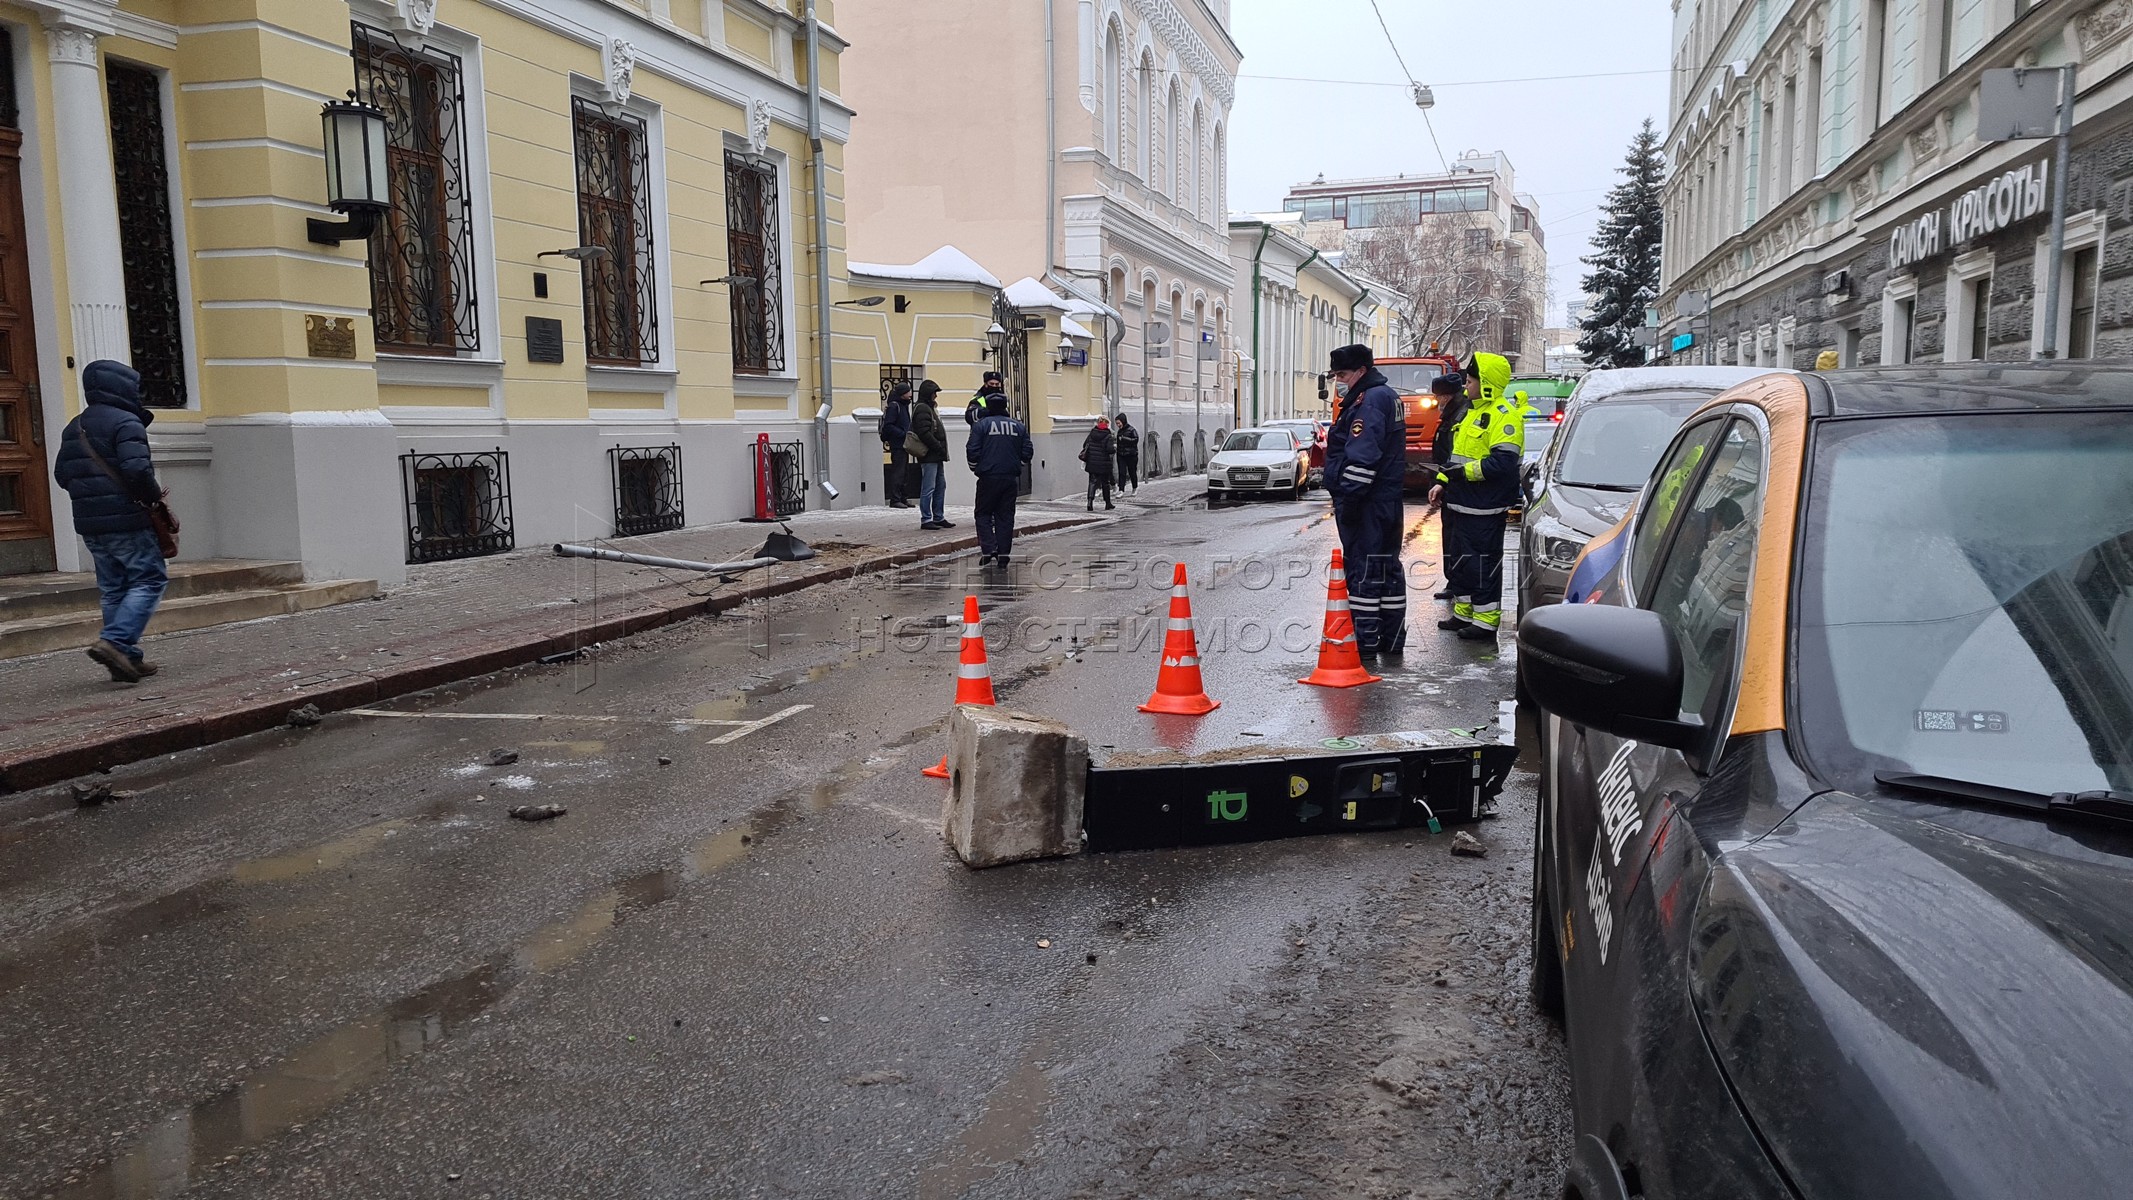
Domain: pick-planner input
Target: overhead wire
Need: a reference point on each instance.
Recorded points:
(1414, 84)
(1386, 83)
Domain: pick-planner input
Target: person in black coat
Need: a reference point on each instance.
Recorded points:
(998, 449)
(895, 425)
(105, 467)
(933, 464)
(1096, 457)
(1129, 455)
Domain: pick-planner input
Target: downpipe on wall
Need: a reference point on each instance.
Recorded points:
(823, 312)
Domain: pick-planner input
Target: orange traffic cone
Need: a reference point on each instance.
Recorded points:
(1339, 664)
(973, 677)
(1178, 690)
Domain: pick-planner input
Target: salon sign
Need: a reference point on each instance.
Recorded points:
(1987, 208)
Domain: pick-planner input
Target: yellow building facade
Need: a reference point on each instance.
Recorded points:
(595, 285)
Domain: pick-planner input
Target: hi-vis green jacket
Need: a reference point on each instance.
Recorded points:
(1487, 449)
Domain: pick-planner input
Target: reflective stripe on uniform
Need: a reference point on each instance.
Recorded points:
(1477, 512)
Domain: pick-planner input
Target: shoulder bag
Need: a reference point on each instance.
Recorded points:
(160, 518)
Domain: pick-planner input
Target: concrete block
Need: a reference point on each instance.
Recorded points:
(1016, 788)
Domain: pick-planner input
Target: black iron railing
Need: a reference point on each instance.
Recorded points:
(458, 505)
(647, 483)
(788, 475)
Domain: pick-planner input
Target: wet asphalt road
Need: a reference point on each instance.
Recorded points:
(325, 962)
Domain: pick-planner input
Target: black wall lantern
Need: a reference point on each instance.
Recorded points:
(356, 182)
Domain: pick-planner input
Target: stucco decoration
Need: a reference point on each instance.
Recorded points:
(70, 44)
(2104, 26)
(1178, 33)
(1862, 191)
(621, 59)
(1925, 142)
(758, 127)
(416, 17)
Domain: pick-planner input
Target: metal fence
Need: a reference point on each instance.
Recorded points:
(458, 505)
(788, 475)
(647, 482)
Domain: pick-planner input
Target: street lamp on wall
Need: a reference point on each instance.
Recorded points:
(996, 338)
(356, 180)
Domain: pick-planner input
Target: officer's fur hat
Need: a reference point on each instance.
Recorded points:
(1353, 358)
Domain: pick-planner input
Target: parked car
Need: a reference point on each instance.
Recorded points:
(1312, 434)
(1834, 873)
(1616, 424)
(1411, 378)
(1259, 461)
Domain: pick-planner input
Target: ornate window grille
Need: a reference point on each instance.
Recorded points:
(422, 294)
(615, 213)
(757, 287)
(647, 488)
(788, 474)
(458, 505)
(149, 249)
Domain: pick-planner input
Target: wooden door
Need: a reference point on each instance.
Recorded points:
(25, 485)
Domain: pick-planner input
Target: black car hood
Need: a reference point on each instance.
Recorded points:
(1915, 1002)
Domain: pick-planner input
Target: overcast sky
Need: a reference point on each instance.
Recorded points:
(1565, 137)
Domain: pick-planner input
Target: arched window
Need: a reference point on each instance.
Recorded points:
(1107, 111)
(1221, 174)
(1144, 156)
(1180, 149)
(1199, 162)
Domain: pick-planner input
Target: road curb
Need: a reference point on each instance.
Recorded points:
(49, 762)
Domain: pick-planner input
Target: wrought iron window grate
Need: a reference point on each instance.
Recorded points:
(458, 505)
(647, 483)
(788, 475)
(422, 292)
(148, 249)
(615, 213)
(757, 283)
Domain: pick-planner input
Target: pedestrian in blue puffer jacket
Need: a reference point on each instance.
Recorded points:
(110, 510)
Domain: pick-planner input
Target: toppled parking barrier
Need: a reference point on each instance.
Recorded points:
(1149, 801)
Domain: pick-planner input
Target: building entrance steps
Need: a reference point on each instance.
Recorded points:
(62, 610)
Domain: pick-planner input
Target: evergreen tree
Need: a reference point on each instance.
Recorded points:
(1625, 259)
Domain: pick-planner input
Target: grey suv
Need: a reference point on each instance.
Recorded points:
(1616, 424)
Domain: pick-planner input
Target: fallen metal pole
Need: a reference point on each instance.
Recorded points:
(671, 564)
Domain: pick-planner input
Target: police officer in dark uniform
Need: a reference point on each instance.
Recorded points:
(1366, 467)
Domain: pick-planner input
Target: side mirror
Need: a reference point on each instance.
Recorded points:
(1616, 670)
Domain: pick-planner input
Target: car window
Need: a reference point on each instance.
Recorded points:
(1701, 590)
(1656, 511)
(1613, 444)
(1270, 439)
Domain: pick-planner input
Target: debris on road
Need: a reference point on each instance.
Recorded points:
(502, 758)
(89, 795)
(537, 812)
(1044, 943)
(876, 1079)
(304, 717)
(664, 761)
(1466, 844)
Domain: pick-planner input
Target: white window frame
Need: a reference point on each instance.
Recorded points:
(181, 251)
(1965, 271)
(657, 378)
(1765, 346)
(2084, 231)
(1787, 333)
(1895, 338)
(480, 373)
(785, 383)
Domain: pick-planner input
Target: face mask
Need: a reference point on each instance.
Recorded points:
(1341, 390)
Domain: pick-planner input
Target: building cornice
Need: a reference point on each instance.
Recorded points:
(662, 49)
(1154, 242)
(1178, 33)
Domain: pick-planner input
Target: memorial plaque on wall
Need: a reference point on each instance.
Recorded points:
(544, 340)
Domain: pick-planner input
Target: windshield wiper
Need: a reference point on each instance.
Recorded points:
(2098, 805)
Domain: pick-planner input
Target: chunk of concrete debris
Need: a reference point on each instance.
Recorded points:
(89, 795)
(502, 758)
(304, 717)
(1466, 844)
(1017, 786)
(537, 812)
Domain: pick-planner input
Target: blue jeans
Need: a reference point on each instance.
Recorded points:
(129, 573)
(932, 491)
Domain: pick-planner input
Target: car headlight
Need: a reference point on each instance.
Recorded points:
(1557, 545)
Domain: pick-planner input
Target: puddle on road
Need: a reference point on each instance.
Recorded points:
(1003, 1133)
(323, 857)
(185, 1147)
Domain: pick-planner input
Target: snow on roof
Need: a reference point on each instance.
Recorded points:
(1073, 328)
(1028, 293)
(945, 265)
(1644, 379)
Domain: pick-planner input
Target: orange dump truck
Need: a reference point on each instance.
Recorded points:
(1411, 377)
